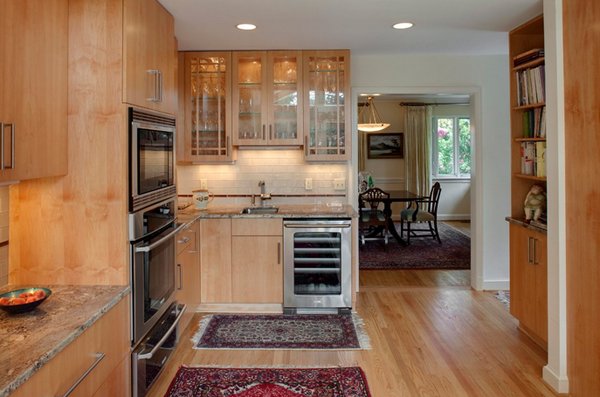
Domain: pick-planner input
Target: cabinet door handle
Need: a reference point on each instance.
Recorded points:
(99, 357)
(1, 146)
(183, 240)
(12, 145)
(306, 146)
(270, 131)
(227, 147)
(180, 276)
(263, 134)
(529, 249)
(535, 259)
(154, 75)
(160, 86)
(279, 253)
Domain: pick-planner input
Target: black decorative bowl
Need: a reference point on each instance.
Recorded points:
(7, 306)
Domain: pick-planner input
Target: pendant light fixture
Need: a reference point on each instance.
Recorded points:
(369, 119)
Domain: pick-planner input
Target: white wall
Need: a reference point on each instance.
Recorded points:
(486, 78)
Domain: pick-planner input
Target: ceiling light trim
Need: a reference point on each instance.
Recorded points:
(246, 26)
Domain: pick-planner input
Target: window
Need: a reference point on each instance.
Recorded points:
(451, 151)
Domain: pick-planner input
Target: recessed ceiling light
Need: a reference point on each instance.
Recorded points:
(246, 26)
(403, 25)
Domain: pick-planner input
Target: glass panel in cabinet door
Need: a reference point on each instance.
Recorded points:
(249, 116)
(249, 81)
(208, 86)
(285, 97)
(324, 133)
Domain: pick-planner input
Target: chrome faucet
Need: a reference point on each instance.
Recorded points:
(263, 195)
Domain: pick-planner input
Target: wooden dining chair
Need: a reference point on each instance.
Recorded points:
(427, 213)
(372, 219)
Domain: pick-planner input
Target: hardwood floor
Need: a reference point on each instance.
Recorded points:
(431, 335)
(463, 226)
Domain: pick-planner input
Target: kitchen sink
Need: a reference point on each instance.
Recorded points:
(259, 210)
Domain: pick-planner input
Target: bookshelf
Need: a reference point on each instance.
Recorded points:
(528, 242)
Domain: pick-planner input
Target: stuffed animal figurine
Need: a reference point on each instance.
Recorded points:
(535, 203)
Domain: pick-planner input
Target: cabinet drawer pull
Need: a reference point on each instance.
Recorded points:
(180, 276)
(99, 357)
(279, 253)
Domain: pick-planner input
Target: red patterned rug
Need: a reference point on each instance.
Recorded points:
(422, 253)
(269, 382)
(281, 331)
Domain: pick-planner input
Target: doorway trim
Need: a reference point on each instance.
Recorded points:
(476, 196)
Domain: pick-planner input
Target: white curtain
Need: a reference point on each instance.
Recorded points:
(417, 157)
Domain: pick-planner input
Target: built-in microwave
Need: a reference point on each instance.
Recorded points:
(151, 158)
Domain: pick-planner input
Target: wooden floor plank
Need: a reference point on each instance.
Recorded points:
(431, 335)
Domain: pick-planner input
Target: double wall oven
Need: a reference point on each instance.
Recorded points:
(153, 225)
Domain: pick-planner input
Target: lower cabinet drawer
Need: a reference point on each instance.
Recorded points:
(86, 363)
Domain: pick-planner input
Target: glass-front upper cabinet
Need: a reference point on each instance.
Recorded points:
(267, 107)
(327, 115)
(207, 136)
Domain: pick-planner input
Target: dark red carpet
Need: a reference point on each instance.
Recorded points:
(269, 382)
(422, 253)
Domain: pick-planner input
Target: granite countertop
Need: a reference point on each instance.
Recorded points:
(285, 211)
(29, 340)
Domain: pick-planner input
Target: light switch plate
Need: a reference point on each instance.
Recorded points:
(203, 184)
(339, 184)
(308, 183)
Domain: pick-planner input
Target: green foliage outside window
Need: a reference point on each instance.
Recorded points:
(452, 152)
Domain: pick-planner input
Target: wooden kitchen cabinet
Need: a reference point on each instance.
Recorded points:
(33, 98)
(326, 105)
(215, 261)
(267, 93)
(257, 261)
(528, 281)
(109, 336)
(206, 107)
(241, 261)
(149, 56)
(187, 272)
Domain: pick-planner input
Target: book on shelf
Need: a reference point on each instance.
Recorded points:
(534, 123)
(540, 159)
(528, 158)
(531, 86)
(528, 56)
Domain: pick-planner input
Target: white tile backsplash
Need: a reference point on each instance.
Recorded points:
(283, 171)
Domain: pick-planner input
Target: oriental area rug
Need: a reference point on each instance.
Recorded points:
(422, 253)
(281, 331)
(273, 382)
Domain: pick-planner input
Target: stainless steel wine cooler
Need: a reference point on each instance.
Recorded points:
(317, 264)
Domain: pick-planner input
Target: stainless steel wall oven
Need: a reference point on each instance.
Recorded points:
(151, 158)
(317, 264)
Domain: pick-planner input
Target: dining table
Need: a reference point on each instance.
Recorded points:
(398, 196)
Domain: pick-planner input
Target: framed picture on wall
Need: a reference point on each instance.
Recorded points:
(387, 145)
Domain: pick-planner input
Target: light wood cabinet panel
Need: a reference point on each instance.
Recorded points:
(33, 98)
(187, 266)
(257, 227)
(109, 335)
(215, 260)
(257, 269)
(528, 281)
(327, 111)
(149, 56)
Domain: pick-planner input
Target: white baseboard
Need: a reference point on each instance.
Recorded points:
(494, 285)
(559, 384)
(454, 217)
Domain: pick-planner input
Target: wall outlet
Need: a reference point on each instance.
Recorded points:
(308, 183)
(339, 184)
(203, 184)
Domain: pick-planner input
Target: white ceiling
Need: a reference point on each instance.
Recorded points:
(363, 26)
